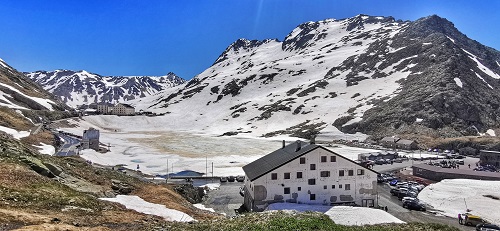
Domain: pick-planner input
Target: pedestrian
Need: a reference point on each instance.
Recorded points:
(469, 165)
(385, 208)
(460, 221)
(458, 166)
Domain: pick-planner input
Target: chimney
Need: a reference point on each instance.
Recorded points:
(313, 139)
(298, 146)
(283, 144)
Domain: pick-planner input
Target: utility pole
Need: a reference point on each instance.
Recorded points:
(167, 172)
(212, 172)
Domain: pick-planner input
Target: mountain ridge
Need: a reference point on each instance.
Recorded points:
(82, 87)
(350, 76)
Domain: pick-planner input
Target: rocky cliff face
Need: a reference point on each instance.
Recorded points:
(81, 87)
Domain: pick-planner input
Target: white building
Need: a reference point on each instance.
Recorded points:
(308, 174)
(123, 109)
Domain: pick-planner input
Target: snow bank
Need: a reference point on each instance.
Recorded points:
(211, 186)
(138, 204)
(46, 149)
(16, 134)
(454, 196)
(343, 215)
(201, 206)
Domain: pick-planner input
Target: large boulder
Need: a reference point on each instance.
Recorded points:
(37, 165)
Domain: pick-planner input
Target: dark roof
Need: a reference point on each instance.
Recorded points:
(408, 142)
(280, 157)
(126, 105)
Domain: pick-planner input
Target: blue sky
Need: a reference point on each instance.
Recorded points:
(154, 37)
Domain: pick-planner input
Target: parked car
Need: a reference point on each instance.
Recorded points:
(394, 191)
(406, 199)
(398, 160)
(487, 227)
(240, 178)
(414, 205)
(460, 162)
(472, 220)
(231, 178)
(223, 179)
(393, 182)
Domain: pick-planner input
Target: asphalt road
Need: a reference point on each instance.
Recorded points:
(225, 199)
(69, 146)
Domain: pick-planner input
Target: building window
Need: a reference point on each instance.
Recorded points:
(351, 172)
(313, 166)
(347, 187)
(340, 186)
(333, 158)
(274, 176)
(286, 175)
(299, 188)
(341, 172)
(312, 197)
(302, 160)
(325, 173)
(323, 158)
(299, 175)
(333, 186)
(311, 181)
(286, 190)
(325, 187)
(361, 172)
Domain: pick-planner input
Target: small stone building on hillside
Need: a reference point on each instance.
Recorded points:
(307, 174)
(406, 144)
(90, 139)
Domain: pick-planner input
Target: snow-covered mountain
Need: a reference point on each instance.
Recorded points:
(23, 102)
(81, 87)
(361, 75)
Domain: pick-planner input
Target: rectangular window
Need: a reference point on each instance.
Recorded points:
(347, 187)
(299, 188)
(302, 160)
(299, 175)
(313, 166)
(325, 173)
(325, 187)
(286, 190)
(274, 176)
(323, 158)
(341, 172)
(361, 172)
(351, 172)
(286, 175)
(333, 186)
(311, 181)
(312, 197)
(333, 158)
(340, 186)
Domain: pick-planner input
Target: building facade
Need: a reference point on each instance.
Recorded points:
(307, 174)
(90, 139)
(123, 109)
(489, 157)
(104, 108)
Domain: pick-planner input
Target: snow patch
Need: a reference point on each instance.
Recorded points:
(452, 40)
(343, 215)
(201, 206)
(418, 120)
(138, 204)
(46, 149)
(16, 134)
(483, 80)
(482, 67)
(458, 82)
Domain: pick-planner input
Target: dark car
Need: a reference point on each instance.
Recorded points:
(394, 182)
(394, 191)
(487, 227)
(414, 205)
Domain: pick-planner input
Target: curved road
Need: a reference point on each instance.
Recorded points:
(69, 147)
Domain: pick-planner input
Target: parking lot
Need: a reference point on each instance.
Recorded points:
(225, 199)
